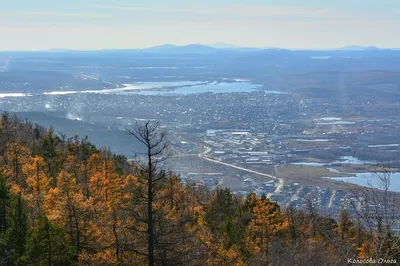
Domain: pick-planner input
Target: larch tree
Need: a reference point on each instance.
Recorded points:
(38, 183)
(106, 190)
(69, 208)
(267, 221)
(150, 171)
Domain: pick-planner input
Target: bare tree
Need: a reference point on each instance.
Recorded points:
(376, 209)
(150, 169)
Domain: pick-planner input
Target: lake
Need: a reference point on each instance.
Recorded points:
(333, 121)
(166, 88)
(336, 123)
(172, 88)
(16, 94)
(315, 140)
(363, 179)
(176, 88)
(343, 160)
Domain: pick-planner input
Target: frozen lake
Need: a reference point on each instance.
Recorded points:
(172, 88)
(343, 160)
(167, 88)
(365, 179)
(361, 179)
(333, 121)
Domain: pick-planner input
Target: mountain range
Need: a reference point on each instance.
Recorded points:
(221, 47)
(217, 47)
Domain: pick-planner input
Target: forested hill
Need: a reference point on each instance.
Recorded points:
(65, 202)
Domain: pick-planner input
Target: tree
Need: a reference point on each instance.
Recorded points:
(37, 181)
(223, 230)
(267, 221)
(18, 231)
(48, 245)
(35, 136)
(50, 154)
(69, 208)
(77, 161)
(220, 217)
(106, 190)
(16, 155)
(5, 198)
(154, 141)
(4, 203)
(86, 149)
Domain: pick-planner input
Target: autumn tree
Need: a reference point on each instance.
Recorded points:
(65, 202)
(38, 183)
(106, 191)
(77, 161)
(69, 208)
(266, 222)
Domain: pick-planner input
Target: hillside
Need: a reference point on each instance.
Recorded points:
(63, 201)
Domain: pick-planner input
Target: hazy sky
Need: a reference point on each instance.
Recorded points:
(97, 24)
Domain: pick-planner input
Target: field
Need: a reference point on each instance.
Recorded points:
(306, 175)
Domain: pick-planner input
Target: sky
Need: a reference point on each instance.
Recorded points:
(128, 24)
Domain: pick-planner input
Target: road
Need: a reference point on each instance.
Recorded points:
(281, 184)
(279, 187)
(240, 168)
(330, 205)
(292, 198)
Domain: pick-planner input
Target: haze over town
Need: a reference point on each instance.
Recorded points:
(123, 24)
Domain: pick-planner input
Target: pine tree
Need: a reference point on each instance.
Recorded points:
(49, 152)
(16, 155)
(4, 204)
(48, 245)
(221, 217)
(5, 198)
(18, 231)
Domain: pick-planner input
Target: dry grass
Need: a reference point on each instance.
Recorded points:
(296, 171)
(311, 176)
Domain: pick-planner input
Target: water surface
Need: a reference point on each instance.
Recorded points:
(370, 178)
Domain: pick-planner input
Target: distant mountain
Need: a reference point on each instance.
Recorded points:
(358, 48)
(59, 50)
(160, 48)
(188, 49)
(223, 45)
(227, 46)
